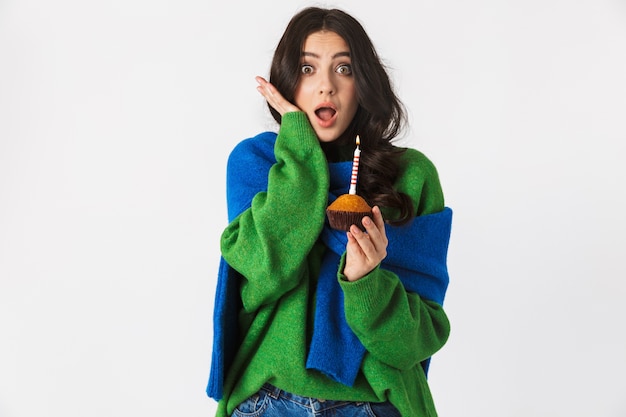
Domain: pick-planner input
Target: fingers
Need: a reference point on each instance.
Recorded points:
(378, 218)
(366, 250)
(373, 244)
(266, 89)
(375, 229)
(273, 97)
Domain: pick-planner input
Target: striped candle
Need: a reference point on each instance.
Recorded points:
(355, 167)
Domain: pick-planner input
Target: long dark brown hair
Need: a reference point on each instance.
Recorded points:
(380, 114)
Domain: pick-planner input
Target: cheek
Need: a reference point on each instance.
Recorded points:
(302, 94)
(352, 99)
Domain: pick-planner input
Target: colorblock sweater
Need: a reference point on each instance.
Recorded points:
(277, 192)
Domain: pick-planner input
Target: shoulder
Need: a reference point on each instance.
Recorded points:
(416, 164)
(257, 149)
(419, 179)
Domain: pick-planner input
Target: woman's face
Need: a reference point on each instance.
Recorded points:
(326, 89)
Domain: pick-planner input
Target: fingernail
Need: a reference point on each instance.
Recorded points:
(366, 221)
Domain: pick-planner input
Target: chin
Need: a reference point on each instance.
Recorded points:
(327, 136)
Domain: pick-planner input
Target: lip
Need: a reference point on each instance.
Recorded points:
(329, 122)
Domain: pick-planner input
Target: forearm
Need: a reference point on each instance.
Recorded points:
(269, 241)
(398, 327)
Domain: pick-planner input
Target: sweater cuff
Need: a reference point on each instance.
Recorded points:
(365, 294)
(297, 130)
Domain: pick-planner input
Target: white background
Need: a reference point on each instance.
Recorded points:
(116, 119)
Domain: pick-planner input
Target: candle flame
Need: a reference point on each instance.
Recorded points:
(358, 140)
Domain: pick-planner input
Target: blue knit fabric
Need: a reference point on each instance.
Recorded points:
(416, 253)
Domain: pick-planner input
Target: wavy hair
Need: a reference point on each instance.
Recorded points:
(380, 115)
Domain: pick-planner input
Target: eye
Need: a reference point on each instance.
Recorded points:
(306, 69)
(344, 69)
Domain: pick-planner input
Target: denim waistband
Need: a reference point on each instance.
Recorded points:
(317, 404)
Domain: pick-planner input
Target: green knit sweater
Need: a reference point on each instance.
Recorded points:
(275, 246)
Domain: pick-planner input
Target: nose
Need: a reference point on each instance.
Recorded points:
(327, 85)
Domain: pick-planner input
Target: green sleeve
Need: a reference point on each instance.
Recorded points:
(269, 242)
(398, 327)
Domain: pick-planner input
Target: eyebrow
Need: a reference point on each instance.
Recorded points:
(337, 55)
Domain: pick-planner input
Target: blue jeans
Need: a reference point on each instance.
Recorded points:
(274, 402)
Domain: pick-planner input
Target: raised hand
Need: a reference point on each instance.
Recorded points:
(273, 97)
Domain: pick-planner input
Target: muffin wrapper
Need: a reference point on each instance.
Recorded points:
(342, 220)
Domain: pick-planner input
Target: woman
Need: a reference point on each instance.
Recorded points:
(309, 319)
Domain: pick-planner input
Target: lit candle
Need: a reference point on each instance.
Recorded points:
(355, 167)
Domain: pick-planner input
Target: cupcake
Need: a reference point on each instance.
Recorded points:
(346, 210)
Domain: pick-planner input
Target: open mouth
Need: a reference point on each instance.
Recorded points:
(325, 113)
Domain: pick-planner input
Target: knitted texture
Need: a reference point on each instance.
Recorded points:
(416, 252)
(271, 256)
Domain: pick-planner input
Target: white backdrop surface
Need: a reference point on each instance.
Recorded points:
(116, 119)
